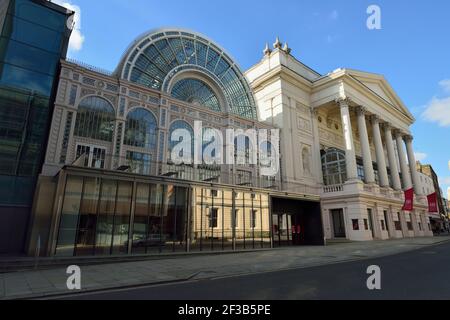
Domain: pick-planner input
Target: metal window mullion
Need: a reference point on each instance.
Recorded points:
(151, 62)
(217, 63)
(114, 218)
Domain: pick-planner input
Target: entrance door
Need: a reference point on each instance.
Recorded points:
(297, 232)
(338, 223)
(282, 230)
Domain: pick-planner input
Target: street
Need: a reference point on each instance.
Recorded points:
(419, 274)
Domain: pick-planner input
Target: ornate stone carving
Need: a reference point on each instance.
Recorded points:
(277, 44)
(343, 101)
(267, 50)
(360, 110)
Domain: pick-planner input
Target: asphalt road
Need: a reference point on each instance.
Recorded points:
(420, 274)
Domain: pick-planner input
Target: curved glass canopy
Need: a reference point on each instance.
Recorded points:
(197, 92)
(157, 57)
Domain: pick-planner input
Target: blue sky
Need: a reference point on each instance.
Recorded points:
(412, 50)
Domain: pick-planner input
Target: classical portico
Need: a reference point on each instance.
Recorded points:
(383, 141)
(358, 132)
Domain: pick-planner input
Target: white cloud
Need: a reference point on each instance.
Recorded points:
(77, 38)
(420, 156)
(444, 181)
(445, 84)
(438, 110)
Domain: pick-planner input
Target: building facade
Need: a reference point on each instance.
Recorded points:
(34, 37)
(110, 186)
(439, 220)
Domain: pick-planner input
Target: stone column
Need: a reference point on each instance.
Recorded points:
(412, 164)
(392, 159)
(381, 161)
(350, 156)
(406, 178)
(365, 146)
(316, 147)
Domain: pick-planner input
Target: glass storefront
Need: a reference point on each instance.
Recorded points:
(101, 216)
(226, 219)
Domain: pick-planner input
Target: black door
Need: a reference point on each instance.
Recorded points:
(338, 223)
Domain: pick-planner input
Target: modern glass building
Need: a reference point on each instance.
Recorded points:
(110, 185)
(34, 37)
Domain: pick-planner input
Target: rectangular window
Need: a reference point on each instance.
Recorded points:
(383, 225)
(385, 213)
(355, 223)
(366, 224)
(213, 214)
(236, 218)
(398, 224)
(94, 157)
(254, 214)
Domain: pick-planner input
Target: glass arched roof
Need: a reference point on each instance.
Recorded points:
(197, 92)
(157, 57)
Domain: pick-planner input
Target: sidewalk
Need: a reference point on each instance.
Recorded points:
(41, 283)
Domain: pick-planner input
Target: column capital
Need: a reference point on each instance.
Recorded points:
(361, 111)
(388, 126)
(408, 138)
(343, 101)
(375, 118)
(398, 132)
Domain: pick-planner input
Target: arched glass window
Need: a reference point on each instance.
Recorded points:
(196, 92)
(140, 129)
(158, 56)
(180, 124)
(95, 119)
(334, 168)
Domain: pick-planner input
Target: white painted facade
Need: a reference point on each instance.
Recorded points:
(359, 114)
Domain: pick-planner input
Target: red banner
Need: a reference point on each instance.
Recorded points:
(409, 200)
(432, 203)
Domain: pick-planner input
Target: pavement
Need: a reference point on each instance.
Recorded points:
(99, 278)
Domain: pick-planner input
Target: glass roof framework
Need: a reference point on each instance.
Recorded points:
(156, 58)
(196, 91)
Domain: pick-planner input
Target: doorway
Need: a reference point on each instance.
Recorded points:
(337, 216)
(296, 222)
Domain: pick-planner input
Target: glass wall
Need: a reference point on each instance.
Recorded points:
(112, 217)
(33, 39)
(225, 220)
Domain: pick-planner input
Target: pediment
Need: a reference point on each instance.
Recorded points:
(381, 87)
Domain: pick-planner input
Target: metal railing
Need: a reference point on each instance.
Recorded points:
(90, 67)
(243, 176)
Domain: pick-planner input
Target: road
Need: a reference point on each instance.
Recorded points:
(420, 274)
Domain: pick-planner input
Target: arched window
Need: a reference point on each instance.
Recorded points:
(333, 165)
(196, 92)
(180, 124)
(95, 119)
(140, 129)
